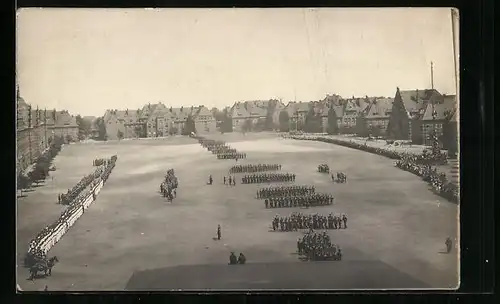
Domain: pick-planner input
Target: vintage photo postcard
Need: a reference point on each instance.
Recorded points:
(237, 149)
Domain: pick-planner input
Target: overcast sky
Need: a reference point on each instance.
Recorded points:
(90, 60)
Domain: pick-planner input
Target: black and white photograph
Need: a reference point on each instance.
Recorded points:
(237, 149)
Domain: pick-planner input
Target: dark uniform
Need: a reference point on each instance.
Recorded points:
(219, 233)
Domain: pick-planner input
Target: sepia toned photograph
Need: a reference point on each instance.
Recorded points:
(237, 149)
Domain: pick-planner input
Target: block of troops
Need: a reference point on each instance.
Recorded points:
(72, 193)
(340, 178)
(312, 200)
(250, 168)
(267, 178)
(169, 184)
(296, 221)
(323, 168)
(98, 162)
(318, 246)
(280, 191)
(231, 155)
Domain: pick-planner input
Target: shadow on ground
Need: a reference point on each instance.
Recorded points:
(302, 275)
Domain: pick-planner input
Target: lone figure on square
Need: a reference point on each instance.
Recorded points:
(448, 243)
(219, 233)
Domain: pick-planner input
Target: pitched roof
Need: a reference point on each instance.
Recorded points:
(415, 101)
(380, 108)
(147, 110)
(203, 111)
(64, 119)
(239, 111)
(444, 108)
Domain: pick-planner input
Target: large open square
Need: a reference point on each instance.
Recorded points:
(133, 238)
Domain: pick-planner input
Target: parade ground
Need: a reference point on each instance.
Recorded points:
(132, 238)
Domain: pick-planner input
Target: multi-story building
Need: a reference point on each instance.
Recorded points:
(377, 116)
(279, 106)
(408, 108)
(443, 109)
(239, 115)
(297, 112)
(204, 120)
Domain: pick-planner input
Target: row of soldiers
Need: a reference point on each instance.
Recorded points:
(268, 178)
(316, 246)
(250, 168)
(296, 221)
(280, 191)
(316, 199)
(231, 155)
(71, 194)
(323, 168)
(341, 177)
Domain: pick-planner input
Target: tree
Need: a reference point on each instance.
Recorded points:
(119, 134)
(247, 126)
(333, 127)
(284, 121)
(139, 131)
(226, 125)
(84, 127)
(101, 128)
(271, 107)
(313, 122)
(189, 126)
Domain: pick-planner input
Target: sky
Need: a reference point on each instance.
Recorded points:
(90, 60)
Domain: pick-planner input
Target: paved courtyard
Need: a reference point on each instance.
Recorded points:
(395, 222)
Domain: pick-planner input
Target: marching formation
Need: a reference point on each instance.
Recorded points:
(323, 168)
(318, 246)
(220, 148)
(341, 178)
(254, 168)
(36, 257)
(169, 185)
(281, 191)
(311, 200)
(296, 221)
(73, 193)
(267, 178)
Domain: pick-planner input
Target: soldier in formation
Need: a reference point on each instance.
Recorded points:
(316, 199)
(231, 155)
(296, 221)
(341, 177)
(254, 168)
(268, 178)
(280, 191)
(318, 246)
(230, 180)
(323, 168)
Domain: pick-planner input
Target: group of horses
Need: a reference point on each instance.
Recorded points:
(43, 266)
(168, 188)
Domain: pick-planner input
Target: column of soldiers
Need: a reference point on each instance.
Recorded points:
(220, 148)
(318, 246)
(267, 178)
(231, 155)
(72, 193)
(254, 168)
(341, 177)
(280, 191)
(310, 200)
(296, 221)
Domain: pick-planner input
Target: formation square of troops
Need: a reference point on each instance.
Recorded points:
(313, 245)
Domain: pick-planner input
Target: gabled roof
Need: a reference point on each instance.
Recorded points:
(415, 101)
(202, 111)
(239, 111)
(444, 108)
(159, 110)
(147, 110)
(180, 114)
(380, 108)
(64, 119)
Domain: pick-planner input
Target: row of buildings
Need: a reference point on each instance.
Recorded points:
(408, 115)
(155, 120)
(37, 128)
